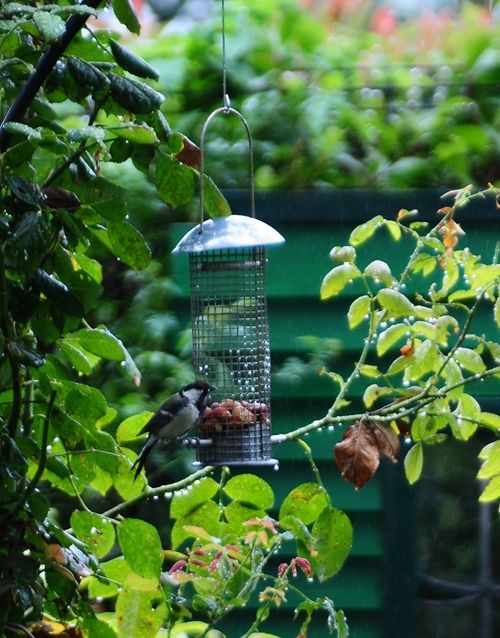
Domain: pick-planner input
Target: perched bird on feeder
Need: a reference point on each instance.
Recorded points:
(174, 418)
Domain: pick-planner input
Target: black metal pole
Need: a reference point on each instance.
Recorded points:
(46, 63)
(485, 573)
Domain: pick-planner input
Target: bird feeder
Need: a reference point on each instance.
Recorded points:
(231, 351)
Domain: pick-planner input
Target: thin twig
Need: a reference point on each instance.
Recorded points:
(151, 492)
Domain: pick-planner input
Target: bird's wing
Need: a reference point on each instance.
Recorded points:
(159, 419)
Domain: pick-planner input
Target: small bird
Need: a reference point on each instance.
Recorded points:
(176, 417)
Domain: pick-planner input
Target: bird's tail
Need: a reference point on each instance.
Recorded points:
(140, 460)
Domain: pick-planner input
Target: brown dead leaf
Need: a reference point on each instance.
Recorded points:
(387, 441)
(190, 154)
(358, 454)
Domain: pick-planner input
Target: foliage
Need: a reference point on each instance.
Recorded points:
(332, 105)
(59, 434)
(63, 214)
(421, 360)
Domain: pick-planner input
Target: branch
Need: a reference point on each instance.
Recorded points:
(45, 65)
(43, 455)
(159, 491)
(7, 329)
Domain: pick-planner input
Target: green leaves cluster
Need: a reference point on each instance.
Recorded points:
(422, 361)
(61, 218)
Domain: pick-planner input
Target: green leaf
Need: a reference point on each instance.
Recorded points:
(175, 181)
(129, 429)
(462, 295)
(370, 371)
(106, 198)
(336, 280)
(373, 392)
(491, 420)
(424, 263)
(490, 455)
(215, 203)
(390, 336)
(132, 62)
(134, 96)
(18, 128)
(331, 537)
(50, 26)
(496, 311)
(379, 271)
(123, 479)
(77, 358)
(186, 501)
(87, 75)
(343, 254)
(95, 628)
(137, 615)
(492, 491)
(99, 342)
(96, 532)
(426, 359)
(358, 311)
(363, 232)
(394, 228)
(237, 513)
(469, 359)
(414, 461)
(141, 547)
(135, 133)
(206, 516)
(305, 502)
(395, 302)
(117, 569)
(124, 11)
(129, 245)
(250, 489)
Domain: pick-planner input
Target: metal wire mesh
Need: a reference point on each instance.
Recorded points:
(231, 352)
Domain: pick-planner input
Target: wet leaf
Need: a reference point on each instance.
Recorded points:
(379, 271)
(337, 279)
(389, 337)
(250, 489)
(305, 502)
(357, 455)
(363, 232)
(141, 547)
(413, 463)
(343, 254)
(331, 538)
(358, 310)
(395, 302)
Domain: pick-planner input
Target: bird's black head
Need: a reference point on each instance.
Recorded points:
(200, 386)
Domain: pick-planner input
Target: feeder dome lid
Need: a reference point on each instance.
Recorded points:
(233, 231)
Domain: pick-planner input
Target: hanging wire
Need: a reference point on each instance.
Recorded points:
(225, 97)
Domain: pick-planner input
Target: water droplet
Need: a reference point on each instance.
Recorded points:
(276, 467)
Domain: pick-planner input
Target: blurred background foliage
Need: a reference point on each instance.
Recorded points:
(337, 95)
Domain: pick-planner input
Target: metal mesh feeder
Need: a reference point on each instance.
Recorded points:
(231, 349)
